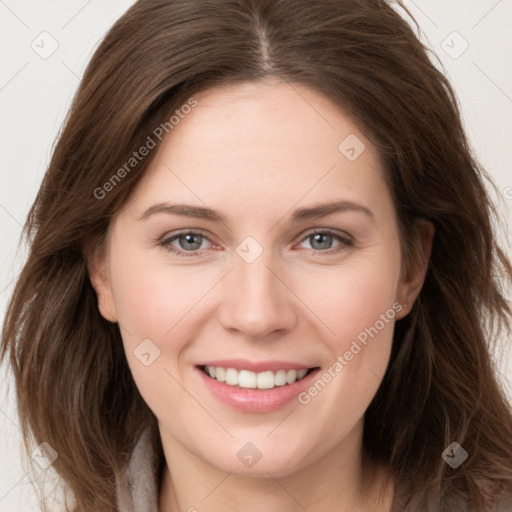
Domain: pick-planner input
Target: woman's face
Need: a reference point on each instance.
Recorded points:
(270, 281)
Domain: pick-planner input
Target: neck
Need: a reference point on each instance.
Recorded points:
(334, 482)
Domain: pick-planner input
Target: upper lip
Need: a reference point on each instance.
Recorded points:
(255, 366)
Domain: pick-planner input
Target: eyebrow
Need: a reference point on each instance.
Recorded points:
(300, 214)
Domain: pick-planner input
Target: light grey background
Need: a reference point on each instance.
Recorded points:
(36, 87)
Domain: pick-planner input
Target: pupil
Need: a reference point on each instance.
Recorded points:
(189, 240)
(318, 238)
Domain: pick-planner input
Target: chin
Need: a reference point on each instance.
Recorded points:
(259, 457)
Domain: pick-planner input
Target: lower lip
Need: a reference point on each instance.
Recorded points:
(256, 400)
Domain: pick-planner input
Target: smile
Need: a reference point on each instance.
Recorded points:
(255, 380)
(255, 387)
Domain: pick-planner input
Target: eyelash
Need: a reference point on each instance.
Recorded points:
(346, 242)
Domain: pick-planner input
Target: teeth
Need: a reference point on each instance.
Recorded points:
(220, 374)
(265, 380)
(246, 379)
(301, 373)
(280, 378)
(231, 377)
(291, 376)
(252, 380)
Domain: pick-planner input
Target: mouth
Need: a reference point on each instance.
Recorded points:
(255, 387)
(246, 379)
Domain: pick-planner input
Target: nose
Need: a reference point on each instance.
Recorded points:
(257, 301)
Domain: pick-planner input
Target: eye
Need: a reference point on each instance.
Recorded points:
(321, 241)
(189, 241)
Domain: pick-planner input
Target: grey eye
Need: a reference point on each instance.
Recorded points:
(191, 241)
(321, 240)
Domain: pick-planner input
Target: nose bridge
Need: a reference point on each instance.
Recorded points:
(257, 302)
(256, 278)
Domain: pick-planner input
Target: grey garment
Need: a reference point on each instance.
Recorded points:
(137, 489)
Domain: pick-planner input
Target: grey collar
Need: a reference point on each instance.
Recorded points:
(137, 488)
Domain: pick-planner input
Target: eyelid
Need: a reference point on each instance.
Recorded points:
(187, 231)
(328, 231)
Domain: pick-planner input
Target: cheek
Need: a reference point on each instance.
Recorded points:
(153, 305)
(150, 296)
(162, 303)
(353, 297)
(358, 307)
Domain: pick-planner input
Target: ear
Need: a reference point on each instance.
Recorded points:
(414, 269)
(97, 267)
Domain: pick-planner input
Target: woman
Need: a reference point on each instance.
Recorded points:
(181, 337)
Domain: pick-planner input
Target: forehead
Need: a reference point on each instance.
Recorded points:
(263, 146)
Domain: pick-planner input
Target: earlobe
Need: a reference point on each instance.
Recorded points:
(415, 271)
(98, 275)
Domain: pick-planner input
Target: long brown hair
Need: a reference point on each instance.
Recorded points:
(74, 388)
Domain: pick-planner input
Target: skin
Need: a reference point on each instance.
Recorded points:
(256, 152)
